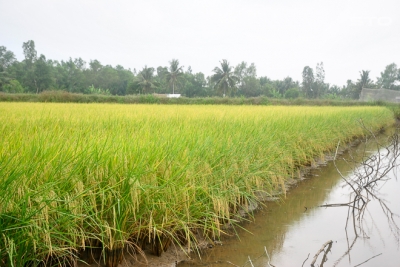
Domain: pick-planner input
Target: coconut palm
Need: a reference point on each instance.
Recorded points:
(224, 78)
(174, 74)
(364, 80)
(145, 79)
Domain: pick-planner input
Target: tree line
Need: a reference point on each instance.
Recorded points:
(36, 74)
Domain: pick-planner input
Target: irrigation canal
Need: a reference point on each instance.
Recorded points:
(293, 231)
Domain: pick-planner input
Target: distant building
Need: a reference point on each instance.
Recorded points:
(387, 95)
(173, 95)
(168, 95)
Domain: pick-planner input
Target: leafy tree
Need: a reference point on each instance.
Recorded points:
(93, 73)
(332, 92)
(42, 74)
(37, 74)
(202, 86)
(161, 80)
(95, 65)
(348, 89)
(195, 85)
(70, 75)
(107, 78)
(15, 71)
(118, 80)
(29, 79)
(266, 86)
(292, 93)
(248, 84)
(174, 74)
(308, 81)
(319, 80)
(145, 80)
(14, 87)
(7, 58)
(240, 72)
(334, 89)
(251, 71)
(224, 79)
(29, 51)
(264, 80)
(389, 77)
(4, 79)
(283, 85)
(250, 87)
(124, 77)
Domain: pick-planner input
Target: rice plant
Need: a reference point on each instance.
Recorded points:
(85, 182)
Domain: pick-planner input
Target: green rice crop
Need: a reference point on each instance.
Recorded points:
(83, 181)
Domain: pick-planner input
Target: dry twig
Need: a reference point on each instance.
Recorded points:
(329, 244)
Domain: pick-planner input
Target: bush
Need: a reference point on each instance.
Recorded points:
(292, 93)
(67, 97)
(13, 87)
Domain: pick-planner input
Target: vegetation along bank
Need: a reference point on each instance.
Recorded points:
(85, 181)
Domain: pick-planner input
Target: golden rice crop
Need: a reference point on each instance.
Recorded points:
(88, 180)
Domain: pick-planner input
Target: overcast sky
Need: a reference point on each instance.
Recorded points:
(279, 37)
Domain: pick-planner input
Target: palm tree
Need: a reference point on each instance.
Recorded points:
(145, 79)
(174, 73)
(364, 79)
(224, 78)
(363, 82)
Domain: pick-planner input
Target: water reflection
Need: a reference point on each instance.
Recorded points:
(365, 190)
(296, 228)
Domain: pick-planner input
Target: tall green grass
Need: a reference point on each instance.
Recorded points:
(87, 181)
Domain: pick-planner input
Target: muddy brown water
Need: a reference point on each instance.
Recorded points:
(296, 228)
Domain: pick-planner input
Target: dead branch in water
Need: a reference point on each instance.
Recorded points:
(370, 174)
(329, 244)
(368, 260)
(366, 180)
(250, 261)
(305, 260)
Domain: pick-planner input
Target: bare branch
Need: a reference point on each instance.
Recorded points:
(305, 260)
(322, 249)
(368, 260)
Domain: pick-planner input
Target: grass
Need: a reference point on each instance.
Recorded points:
(86, 181)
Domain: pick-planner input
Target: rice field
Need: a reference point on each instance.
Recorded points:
(88, 181)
